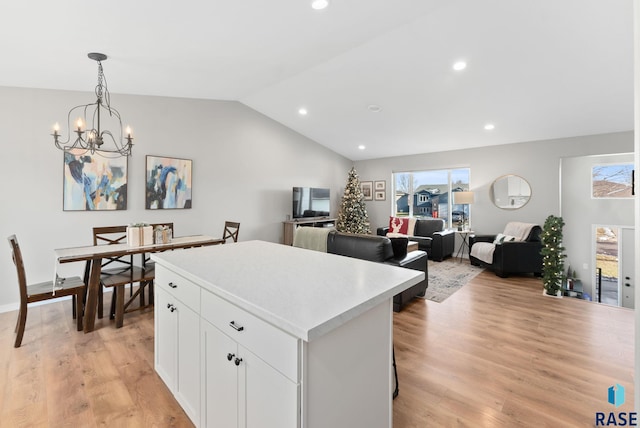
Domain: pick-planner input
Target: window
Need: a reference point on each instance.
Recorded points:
(426, 194)
(612, 181)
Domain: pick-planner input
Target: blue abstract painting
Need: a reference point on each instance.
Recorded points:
(168, 183)
(93, 182)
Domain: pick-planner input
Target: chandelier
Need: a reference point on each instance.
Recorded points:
(90, 136)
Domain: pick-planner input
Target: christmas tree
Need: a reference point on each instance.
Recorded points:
(552, 254)
(353, 217)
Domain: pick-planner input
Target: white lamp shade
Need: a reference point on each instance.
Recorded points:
(462, 198)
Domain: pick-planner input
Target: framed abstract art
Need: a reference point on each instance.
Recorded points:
(92, 182)
(168, 183)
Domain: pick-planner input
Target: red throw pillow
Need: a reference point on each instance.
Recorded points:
(398, 225)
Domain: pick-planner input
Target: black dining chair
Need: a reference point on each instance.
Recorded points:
(72, 286)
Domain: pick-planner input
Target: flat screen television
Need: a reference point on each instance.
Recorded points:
(311, 202)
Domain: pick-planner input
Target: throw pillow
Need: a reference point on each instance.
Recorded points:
(398, 225)
(399, 246)
(500, 238)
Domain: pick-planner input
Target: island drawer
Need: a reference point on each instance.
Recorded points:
(179, 287)
(274, 346)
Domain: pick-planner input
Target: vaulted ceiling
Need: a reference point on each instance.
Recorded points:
(375, 73)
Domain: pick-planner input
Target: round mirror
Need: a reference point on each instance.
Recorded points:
(510, 192)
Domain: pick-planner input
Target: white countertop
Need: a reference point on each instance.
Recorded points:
(303, 292)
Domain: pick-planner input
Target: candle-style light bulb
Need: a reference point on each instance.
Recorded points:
(56, 127)
(79, 124)
(128, 131)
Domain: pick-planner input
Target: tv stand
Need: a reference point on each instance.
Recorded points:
(291, 225)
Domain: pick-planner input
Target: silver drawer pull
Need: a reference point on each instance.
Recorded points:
(172, 285)
(236, 326)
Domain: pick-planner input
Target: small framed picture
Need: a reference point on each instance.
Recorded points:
(367, 190)
(380, 185)
(380, 195)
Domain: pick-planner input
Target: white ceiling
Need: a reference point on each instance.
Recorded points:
(537, 69)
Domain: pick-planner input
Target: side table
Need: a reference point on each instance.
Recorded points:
(464, 235)
(576, 289)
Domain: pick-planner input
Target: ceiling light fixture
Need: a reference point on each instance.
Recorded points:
(460, 65)
(374, 108)
(361, 147)
(319, 4)
(302, 111)
(91, 140)
(489, 126)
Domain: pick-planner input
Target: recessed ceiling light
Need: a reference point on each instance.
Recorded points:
(374, 108)
(302, 111)
(319, 4)
(460, 65)
(361, 147)
(489, 126)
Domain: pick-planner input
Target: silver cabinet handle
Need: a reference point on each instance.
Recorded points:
(235, 326)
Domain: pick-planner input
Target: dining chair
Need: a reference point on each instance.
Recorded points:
(72, 286)
(231, 229)
(117, 272)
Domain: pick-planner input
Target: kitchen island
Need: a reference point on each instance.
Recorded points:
(257, 334)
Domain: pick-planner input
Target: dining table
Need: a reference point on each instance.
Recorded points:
(95, 253)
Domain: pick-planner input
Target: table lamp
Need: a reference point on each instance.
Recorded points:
(462, 198)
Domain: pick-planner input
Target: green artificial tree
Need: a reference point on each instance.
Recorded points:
(552, 255)
(352, 216)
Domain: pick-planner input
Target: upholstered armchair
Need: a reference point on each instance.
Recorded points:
(515, 251)
(430, 234)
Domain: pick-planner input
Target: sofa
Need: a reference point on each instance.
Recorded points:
(381, 249)
(430, 234)
(514, 251)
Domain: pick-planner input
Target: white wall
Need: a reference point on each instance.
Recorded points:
(244, 166)
(581, 212)
(538, 162)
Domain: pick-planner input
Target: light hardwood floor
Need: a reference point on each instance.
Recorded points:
(495, 354)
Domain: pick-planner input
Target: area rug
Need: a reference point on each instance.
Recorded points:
(448, 276)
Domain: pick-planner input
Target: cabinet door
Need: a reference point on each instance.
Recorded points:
(219, 379)
(188, 365)
(268, 398)
(166, 335)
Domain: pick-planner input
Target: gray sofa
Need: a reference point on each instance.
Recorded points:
(381, 249)
(431, 236)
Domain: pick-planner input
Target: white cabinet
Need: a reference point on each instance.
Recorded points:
(241, 389)
(311, 334)
(177, 344)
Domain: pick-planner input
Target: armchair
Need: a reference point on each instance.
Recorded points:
(430, 234)
(515, 251)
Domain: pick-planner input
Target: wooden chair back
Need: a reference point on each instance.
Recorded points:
(16, 254)
(110, 235)
(231, 229)
(30, 293)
